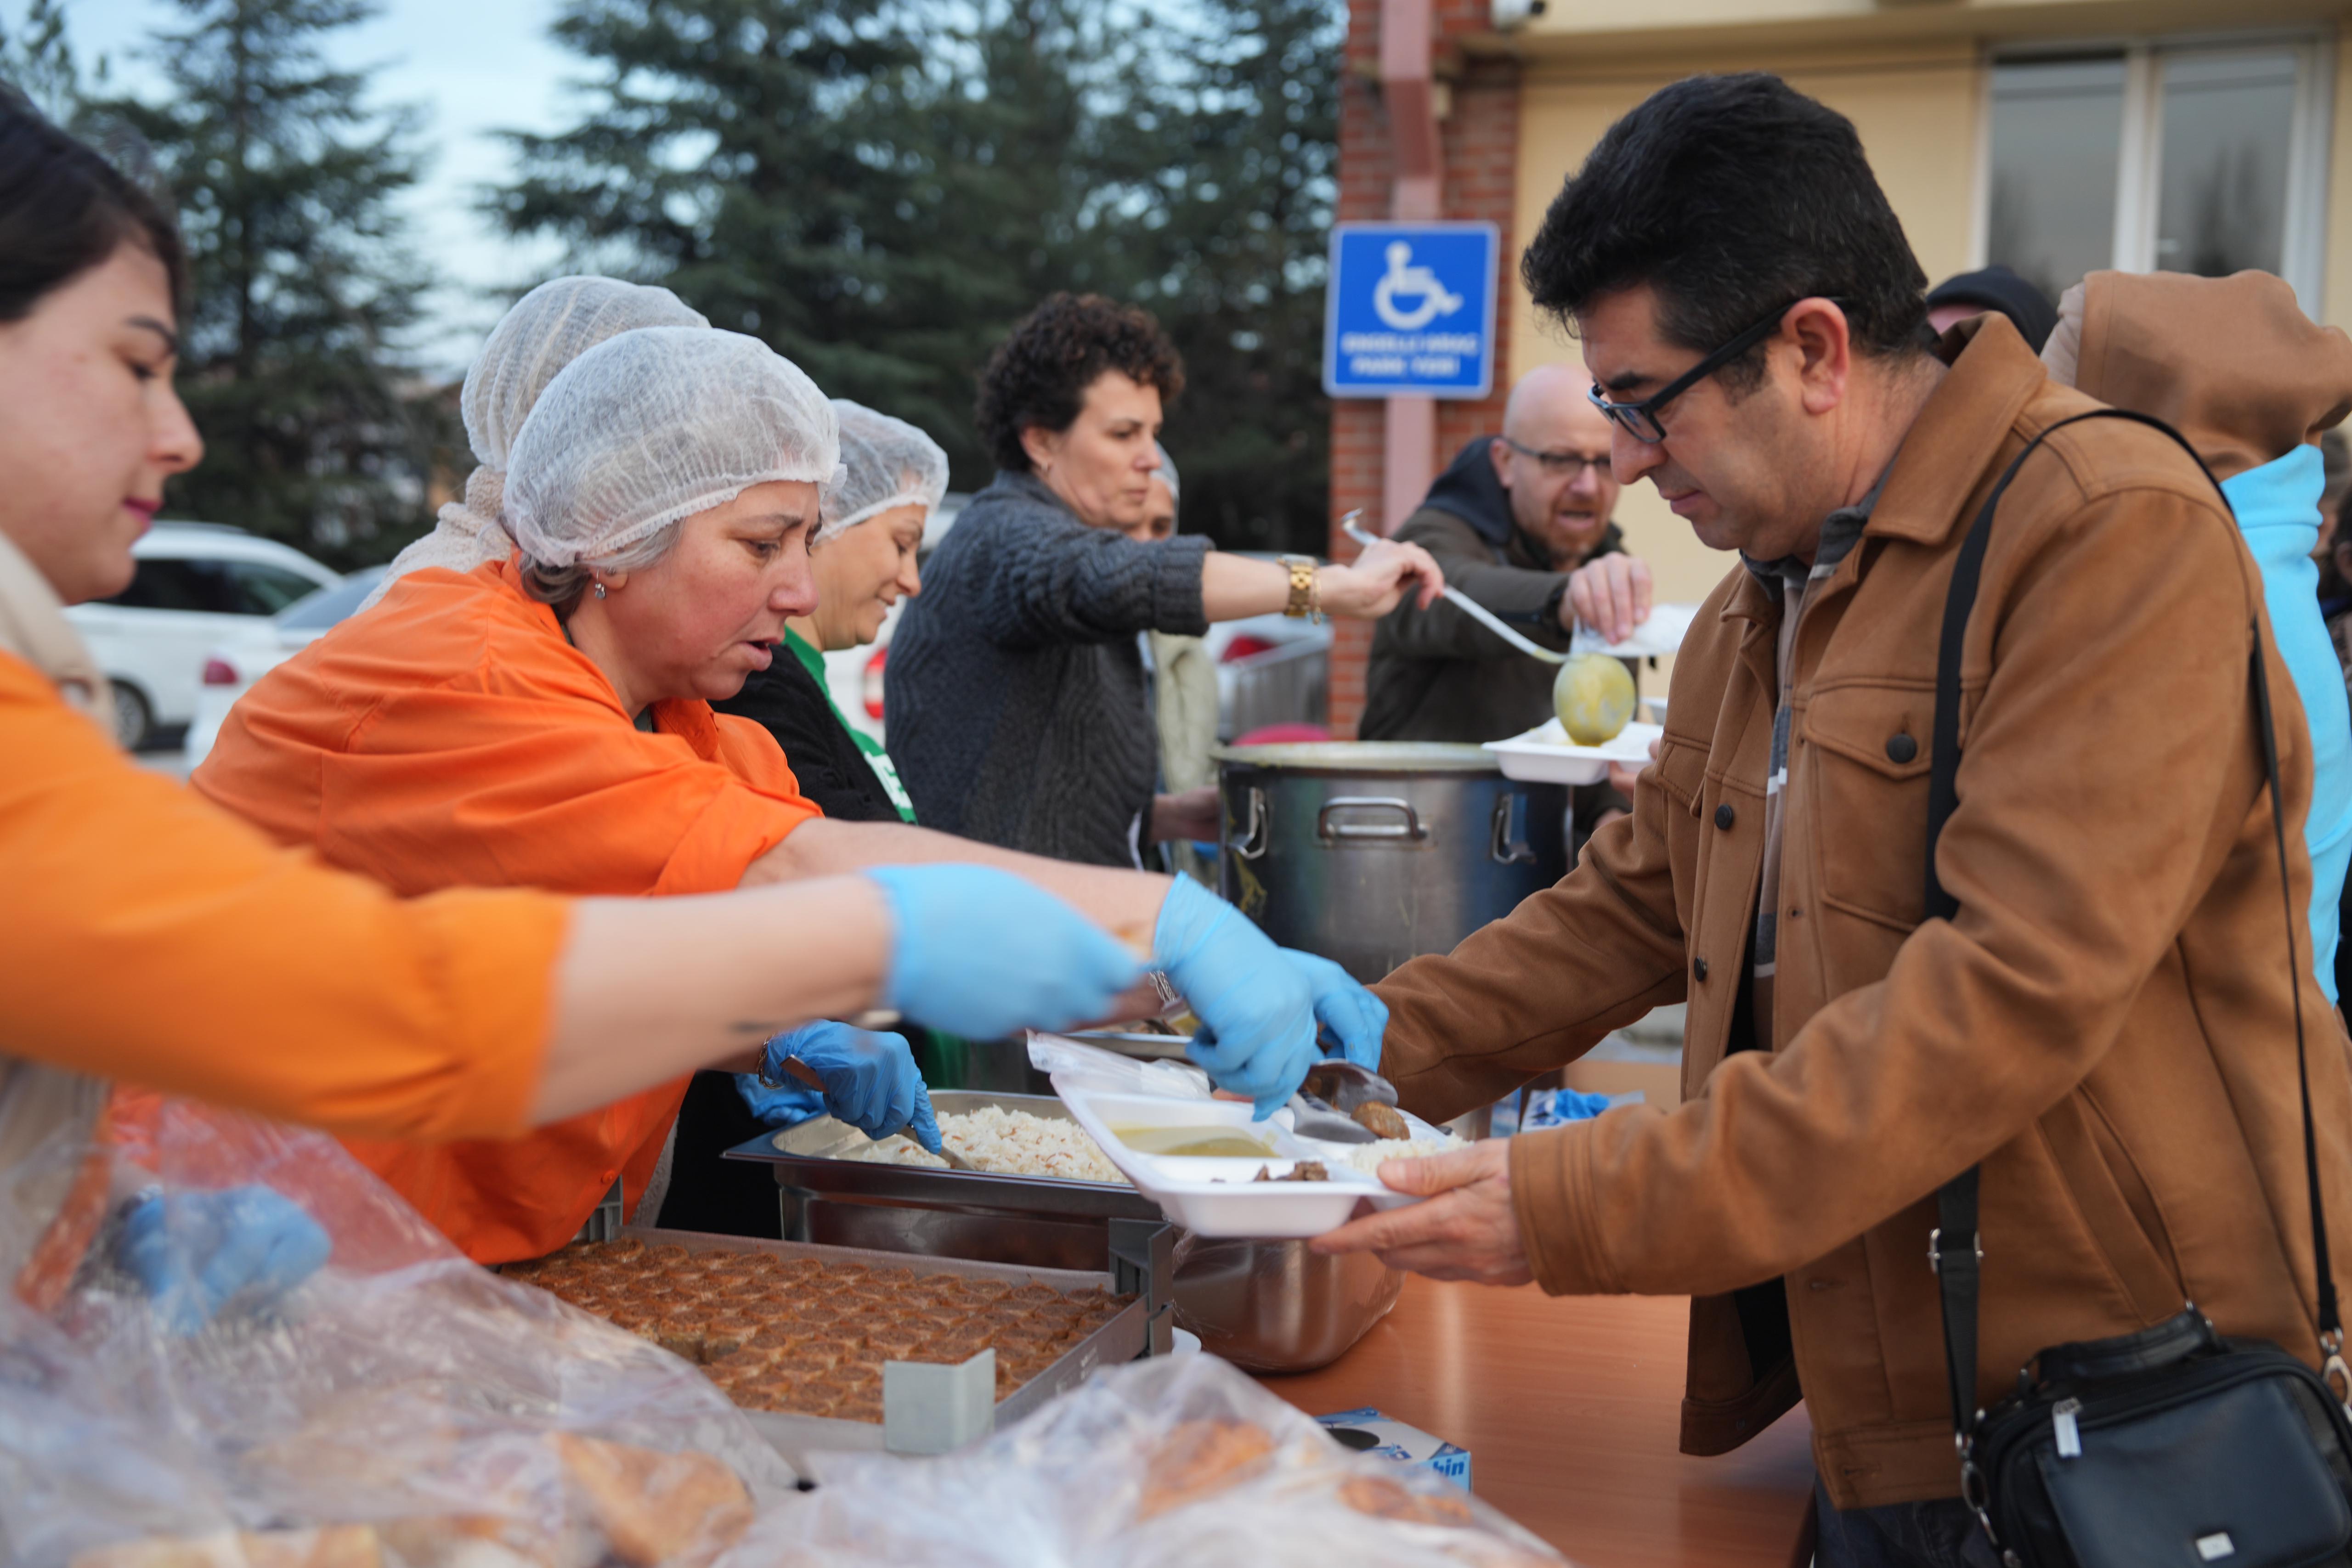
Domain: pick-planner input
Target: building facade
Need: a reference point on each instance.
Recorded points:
(2055, 136)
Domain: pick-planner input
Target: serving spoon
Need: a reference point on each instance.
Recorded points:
(1468, 605)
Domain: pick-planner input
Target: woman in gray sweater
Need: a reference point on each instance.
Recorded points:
(1015, 687)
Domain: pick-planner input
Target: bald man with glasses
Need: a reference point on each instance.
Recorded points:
(1521, 523)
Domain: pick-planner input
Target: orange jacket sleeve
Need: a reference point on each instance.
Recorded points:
(450, 737)
(149, 937)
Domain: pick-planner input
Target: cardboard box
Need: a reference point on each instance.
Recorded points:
(1370, 1432)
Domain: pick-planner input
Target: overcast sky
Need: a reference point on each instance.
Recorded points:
(473, 66)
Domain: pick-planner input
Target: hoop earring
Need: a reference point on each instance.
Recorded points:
(600, 590)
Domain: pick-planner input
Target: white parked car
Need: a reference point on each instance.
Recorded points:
(234, 664)
(197, 584)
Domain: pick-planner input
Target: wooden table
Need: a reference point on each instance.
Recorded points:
(1568, 1406)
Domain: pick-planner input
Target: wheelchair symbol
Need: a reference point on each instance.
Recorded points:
(1410, 282)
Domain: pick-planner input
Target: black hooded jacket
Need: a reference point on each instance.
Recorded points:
(1436, 674)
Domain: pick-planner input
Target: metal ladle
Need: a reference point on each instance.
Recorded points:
(1468, 605)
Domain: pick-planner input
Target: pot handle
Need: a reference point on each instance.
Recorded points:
(1331, 832)
(1253, 842)
(1510, 845)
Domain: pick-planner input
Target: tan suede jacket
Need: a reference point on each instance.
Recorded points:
(2106, 1025)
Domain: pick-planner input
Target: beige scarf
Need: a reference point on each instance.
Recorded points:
(53, 1172)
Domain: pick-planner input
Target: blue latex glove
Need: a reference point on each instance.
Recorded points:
(982, 953)
(788, 1106)
(1256, 1008)
(1349, 1013)
(198, 1253)
(870, 1080)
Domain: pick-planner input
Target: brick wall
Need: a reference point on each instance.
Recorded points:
(1480, 135)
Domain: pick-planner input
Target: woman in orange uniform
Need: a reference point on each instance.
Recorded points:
(146, 936)
(545, 721)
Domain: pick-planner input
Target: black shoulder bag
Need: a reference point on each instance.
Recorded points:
(2172, 1445)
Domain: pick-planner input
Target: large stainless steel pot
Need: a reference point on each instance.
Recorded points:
(1370, 853)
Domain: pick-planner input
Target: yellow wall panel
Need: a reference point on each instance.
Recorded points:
(1918, 116)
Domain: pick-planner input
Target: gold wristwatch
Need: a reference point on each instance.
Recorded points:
(1303, 601)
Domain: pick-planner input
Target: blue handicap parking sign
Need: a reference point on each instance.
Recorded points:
(1410, 310)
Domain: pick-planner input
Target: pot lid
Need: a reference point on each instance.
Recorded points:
(1363, 757)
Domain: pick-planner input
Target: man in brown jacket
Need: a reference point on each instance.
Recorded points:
(2107, 1025)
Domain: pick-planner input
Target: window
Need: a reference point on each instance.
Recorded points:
(266, 590)
(213, 587)
(2206, 158)
(332, 606)
(164, 583)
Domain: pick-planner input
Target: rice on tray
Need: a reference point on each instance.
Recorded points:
(1366, 1157)
(1018, 1143)
(1008, 1143)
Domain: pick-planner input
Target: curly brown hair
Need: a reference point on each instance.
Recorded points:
(1040, 374)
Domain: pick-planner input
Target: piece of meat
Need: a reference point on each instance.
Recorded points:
(1382, 1121)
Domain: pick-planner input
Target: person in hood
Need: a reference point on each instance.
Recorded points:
(1997, 288)
(1521, 523)
(2235, 366)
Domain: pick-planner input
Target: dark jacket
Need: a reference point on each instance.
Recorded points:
(1015, 688)
(790, 701)
(1436, 674)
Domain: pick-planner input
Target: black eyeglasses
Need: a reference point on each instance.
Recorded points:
(1555, 464)
(1640, 419)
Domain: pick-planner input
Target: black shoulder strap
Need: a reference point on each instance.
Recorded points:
(1953, 1250)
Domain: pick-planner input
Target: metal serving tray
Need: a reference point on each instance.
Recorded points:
(1124, 1338)
(1270, 1306)
(1036, 1221)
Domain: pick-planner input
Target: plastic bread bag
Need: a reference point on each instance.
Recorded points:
(1075, 1064)
(397, 1407)
(1168, 1463)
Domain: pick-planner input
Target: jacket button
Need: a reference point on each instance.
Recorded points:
(1724, 815)
(1901, 748)
(1698, 968)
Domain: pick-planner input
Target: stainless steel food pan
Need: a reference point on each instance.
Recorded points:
(1275, 1306)
(1271, 1306)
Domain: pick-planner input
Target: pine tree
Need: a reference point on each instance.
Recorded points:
(1247, 188)
(317, 430)
(876, 189)
(880, 188)
(38, 62)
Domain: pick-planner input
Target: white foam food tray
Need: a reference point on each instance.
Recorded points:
(1545, 754)
(1218, 1195)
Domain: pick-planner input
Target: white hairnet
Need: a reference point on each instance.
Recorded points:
(884, 462)
(548, 329)
(656, 425)
(1166, 474)
(544, 331)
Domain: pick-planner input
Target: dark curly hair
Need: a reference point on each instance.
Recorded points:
(1039, 374)
(1731, 197)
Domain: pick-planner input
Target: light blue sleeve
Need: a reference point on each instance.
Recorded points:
(2278, 509)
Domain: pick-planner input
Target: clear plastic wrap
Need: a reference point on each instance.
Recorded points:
(1170, 1463)
(1075, 1064)
(426, 1412)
